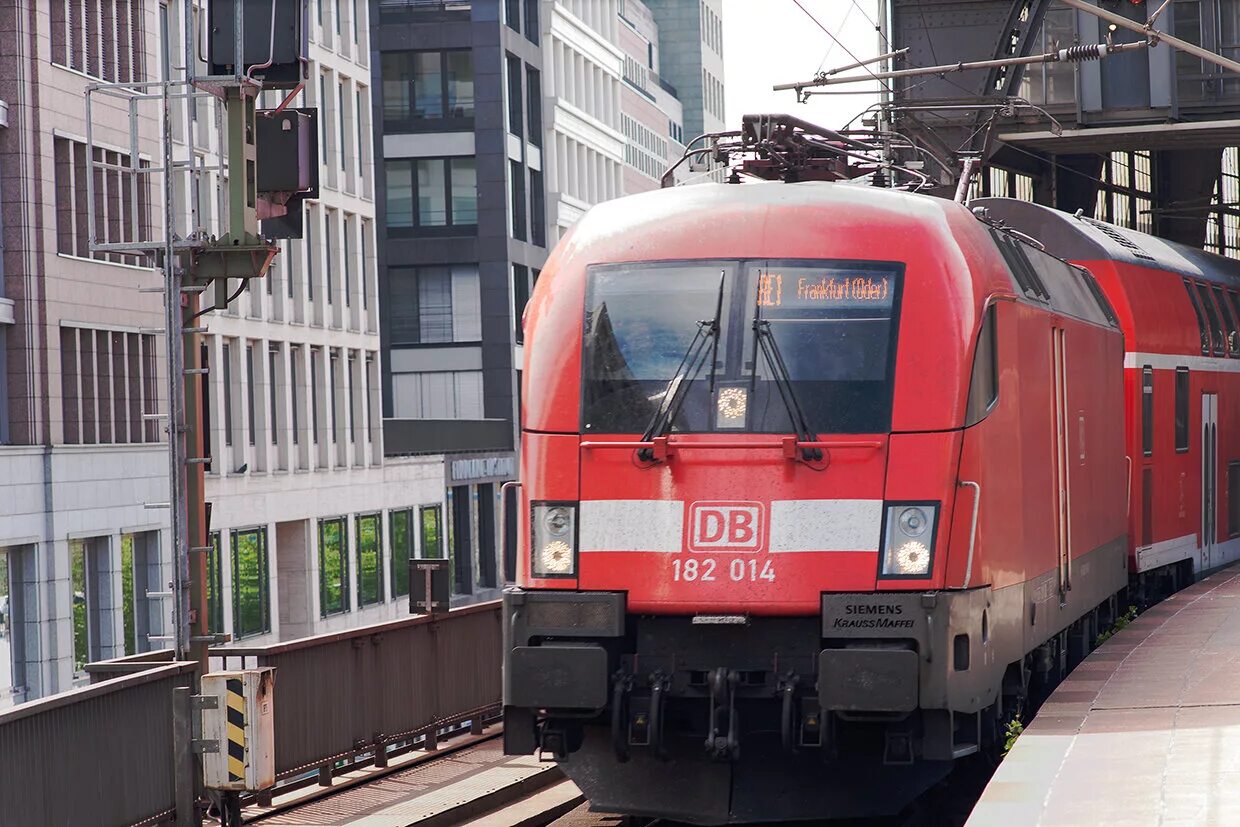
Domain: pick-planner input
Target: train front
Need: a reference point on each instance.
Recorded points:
(742, 417)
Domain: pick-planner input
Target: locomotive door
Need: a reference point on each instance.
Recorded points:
(1063, 525)
(1209, 477)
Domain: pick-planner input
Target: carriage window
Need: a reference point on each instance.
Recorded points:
(1147, 411)
(1235, 311)
(1201, 318)
(1181, 409)
(1231, 324)
(984, 387)
(1217, 336)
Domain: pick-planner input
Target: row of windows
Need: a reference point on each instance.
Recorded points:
(637, 73)
(93, 564)
(434, 305)
(1147, 410)
(122, 204)
(712, 94)
(292, 405)
(675, 131)
(355, 25)
(711, 28)
(528, 21)
(251, 576)
(644, 150)
(108, 385)
(431, 196)
(100, 38)
(1218, 318)
(530, 116)
(537, 213)
(437, 394)
(427, 90)
(523, 281)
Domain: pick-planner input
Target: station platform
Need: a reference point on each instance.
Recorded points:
(1146, 731)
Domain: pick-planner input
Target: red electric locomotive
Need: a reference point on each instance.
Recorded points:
(817, 479)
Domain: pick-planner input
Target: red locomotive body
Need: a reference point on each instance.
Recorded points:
(816, 478)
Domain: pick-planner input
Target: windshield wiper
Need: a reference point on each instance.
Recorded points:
(764, 338)
(705, 341)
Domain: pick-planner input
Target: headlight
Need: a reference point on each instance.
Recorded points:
(553, 540)
(908, 550)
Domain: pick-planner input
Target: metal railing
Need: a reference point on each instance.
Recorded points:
(104, 670)
(102, 754)
(364, 690)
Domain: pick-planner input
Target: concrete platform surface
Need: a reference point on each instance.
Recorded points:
(1145, 732)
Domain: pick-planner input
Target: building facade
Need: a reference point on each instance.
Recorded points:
(82, 469)
(311, 526)
(651, 114)
(497, 124)
(463, 226)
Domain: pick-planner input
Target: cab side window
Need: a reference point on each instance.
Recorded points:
(984, 386)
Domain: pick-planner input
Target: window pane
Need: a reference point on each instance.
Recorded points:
(460, 84)
(464, 191)
(432, 200)
(515, 124)
(1147, 411)
(249, 582)
(369, 579)
(399, 194)
(402, 550)
(427, 85)
(466, 305)
(434, 305)
(215, 581)
(432, 535)
(1181, 409)
(127, 596)
(77, 569)
(333, 567)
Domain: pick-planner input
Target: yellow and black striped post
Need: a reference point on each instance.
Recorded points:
(236, 730)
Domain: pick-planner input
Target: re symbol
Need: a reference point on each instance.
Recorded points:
(725, 526)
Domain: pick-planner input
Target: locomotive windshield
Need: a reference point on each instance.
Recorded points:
(834, 324)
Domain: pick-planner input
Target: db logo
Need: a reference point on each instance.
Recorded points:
(725, 526)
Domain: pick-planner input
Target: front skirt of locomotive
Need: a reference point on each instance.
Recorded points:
(716, 720)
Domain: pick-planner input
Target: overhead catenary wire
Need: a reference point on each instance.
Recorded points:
(1072, 54)
(847, 50)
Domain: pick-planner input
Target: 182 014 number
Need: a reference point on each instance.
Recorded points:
(706, 569)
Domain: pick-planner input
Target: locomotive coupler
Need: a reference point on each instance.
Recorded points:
(723, 746)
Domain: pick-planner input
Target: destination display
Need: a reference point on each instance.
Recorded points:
(816, 288)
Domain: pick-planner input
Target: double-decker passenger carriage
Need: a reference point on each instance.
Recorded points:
(818, 479)
(1179, 309)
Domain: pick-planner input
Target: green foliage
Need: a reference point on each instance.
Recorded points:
(402, 550)
(77, 569)
(1120, 623)
(251, 613)
(432, 541)
(127, 596)
(333, 567)
(369, 586)
(1011, 732)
